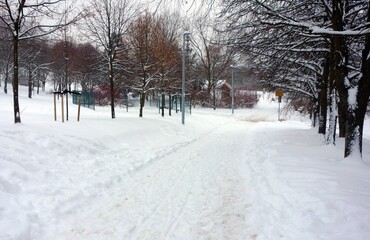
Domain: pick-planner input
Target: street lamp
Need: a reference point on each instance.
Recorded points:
(232, 88)
(185, 37)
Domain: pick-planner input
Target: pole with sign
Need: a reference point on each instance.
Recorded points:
(279, 93)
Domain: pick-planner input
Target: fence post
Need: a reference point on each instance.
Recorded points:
(62, 107)
(79, 108)
(55, 108)
(169, 103)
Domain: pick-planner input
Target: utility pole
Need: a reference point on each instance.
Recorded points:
(66, 58)
(185, 38)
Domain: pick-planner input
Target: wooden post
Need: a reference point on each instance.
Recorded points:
(62, 108)
(55, 107)
(78, 109)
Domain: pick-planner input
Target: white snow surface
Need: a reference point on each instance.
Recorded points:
(219, 176)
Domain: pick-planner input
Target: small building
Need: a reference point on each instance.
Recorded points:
(223, 93)
(245, 97)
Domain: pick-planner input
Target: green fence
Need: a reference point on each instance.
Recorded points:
(87, 99)
(175, 102)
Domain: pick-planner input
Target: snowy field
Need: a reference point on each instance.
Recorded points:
(220, 176)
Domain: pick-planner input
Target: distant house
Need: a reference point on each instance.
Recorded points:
(245, 97)
(223, 93)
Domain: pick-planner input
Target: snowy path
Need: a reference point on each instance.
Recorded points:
(195, 191)
(219, 177)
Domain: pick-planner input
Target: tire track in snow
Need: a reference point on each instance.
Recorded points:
(173, 222)
(162, 205)
(227, 219)
(187, 192)
(173, 149)
(221, 207)
(175, 202)
(134, 187)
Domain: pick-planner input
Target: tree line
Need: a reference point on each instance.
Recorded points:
(315, 50)
(127, 48)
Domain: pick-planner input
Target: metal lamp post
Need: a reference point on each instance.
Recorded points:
(232, 88)
(185, 35)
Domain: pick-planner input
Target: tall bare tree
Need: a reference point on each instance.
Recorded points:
(328, 40)
(142, 41)
(21, 19)
(215, 57)
(166, 52)
(85, 66)
(107, 23)
(5, 55)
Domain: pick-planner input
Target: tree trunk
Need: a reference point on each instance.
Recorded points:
(66, 80)
(169, 104)
(332, 101)
(355, 121)
(323, 107)
(340, 72)
(214, 98)
(162, 96)
(342, 118)
(111, 82)
(177, 96)
(323, 96)
(330, 134)
(142, 103)
(29, 81)
(163, 103)
(314, 113)
(38, 82)
(339, 55)
(353, 140)
(6, 79)
(43, 81)
(17, 114)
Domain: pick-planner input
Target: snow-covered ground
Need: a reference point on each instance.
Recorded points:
(221, 176)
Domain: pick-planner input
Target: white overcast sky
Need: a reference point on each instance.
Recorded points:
(189, 9)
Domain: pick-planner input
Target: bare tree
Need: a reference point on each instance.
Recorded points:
(142, 41)
(166, 52)
(85, 65)
(32, 60)
(215, 57)
(59, 64)
(20, 19)
(331, 37)
(5, 52)
(193, 7)
(5, 57)
(107, 23)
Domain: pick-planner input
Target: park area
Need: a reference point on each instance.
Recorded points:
(219, 176)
